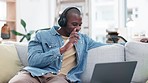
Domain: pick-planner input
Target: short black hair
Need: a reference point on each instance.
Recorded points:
(76, 11)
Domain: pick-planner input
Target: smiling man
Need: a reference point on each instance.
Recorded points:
(58, 55)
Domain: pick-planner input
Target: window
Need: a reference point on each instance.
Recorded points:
(3, 13)
(104, 15)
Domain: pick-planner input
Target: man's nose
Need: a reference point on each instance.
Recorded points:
(78, 28)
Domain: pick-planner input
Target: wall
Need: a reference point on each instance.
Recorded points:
(143, 17)
(137, 28)
(37, 14)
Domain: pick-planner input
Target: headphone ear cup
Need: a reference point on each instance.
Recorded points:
(62, 22)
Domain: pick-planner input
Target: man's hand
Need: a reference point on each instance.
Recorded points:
(73, 38)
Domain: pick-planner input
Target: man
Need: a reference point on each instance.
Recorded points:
(58, 55)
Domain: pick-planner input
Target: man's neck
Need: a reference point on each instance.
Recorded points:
(62, 32)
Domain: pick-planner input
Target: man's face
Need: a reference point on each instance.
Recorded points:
(73, 21)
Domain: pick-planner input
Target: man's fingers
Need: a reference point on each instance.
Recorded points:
(74, 30)
(75, 36)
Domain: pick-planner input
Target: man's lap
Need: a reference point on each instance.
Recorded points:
(25, 77)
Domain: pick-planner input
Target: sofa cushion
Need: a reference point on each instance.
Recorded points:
(22, 49)
(103, 54)
(9, 62)
(137, 51)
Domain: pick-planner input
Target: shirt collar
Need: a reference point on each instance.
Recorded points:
(54, 30)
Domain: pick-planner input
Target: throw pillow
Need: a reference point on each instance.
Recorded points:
(22, 54)
(9, 62)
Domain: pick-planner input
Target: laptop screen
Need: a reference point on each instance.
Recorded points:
(114, 72)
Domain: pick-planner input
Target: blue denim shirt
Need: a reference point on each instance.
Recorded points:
(44, 54)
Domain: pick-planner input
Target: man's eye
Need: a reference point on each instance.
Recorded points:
(75, 24)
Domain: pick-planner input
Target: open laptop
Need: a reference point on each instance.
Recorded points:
(114, 72)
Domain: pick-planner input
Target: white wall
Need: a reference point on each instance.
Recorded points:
(140, 24)
(143, 17)
(37, 14)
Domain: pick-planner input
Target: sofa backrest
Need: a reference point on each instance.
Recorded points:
(138, 51)
(103, 54)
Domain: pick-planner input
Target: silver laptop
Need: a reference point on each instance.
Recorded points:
(114, 72)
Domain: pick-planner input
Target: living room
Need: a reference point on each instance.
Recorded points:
(126, 18)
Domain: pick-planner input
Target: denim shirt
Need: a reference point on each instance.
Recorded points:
(44, 55)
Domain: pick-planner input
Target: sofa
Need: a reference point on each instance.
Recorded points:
(13, 57)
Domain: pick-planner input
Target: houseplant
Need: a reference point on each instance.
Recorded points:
(27, 34)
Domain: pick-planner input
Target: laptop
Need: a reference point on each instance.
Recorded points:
(113, 72)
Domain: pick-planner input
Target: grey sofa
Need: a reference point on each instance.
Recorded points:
(132, 51)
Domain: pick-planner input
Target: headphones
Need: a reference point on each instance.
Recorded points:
(63, 20)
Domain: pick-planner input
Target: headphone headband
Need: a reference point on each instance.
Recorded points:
(67, 9)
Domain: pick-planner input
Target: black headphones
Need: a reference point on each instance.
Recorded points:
(63, 20)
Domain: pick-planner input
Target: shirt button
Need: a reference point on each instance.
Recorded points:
(59, 70)
(62, 41)
(57, 57)
(49, 46)
(42, 73)
(61, 60)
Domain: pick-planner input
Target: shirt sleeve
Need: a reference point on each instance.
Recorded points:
(93, 44)
(37, 57)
